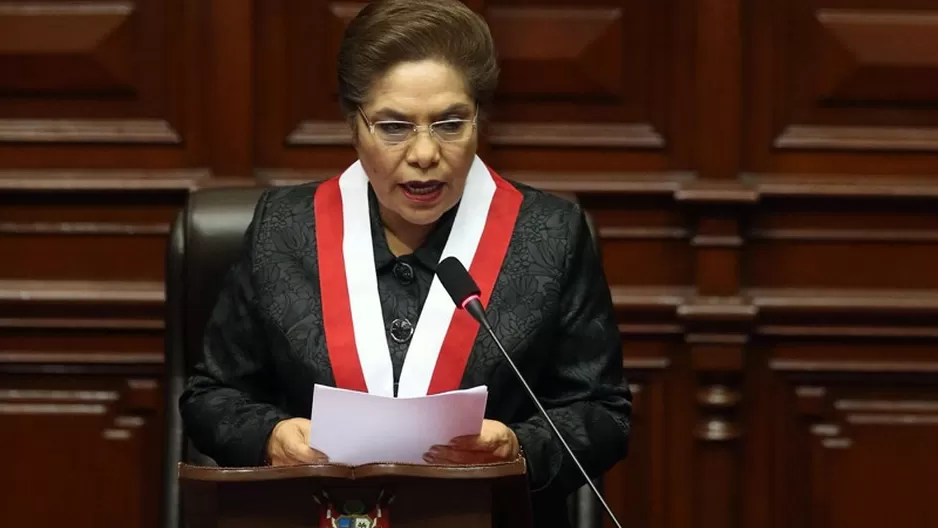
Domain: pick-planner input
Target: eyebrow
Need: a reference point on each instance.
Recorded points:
(390, 113)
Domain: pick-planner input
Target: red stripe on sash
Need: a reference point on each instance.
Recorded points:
(487, 262)
(333, 287)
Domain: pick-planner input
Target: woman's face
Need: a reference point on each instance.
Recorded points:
(417, 176)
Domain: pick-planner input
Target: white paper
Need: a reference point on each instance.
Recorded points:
(355, 428)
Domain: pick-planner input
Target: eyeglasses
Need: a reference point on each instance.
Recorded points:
(394, 132)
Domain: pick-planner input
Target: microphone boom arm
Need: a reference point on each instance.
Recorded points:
(474, 307)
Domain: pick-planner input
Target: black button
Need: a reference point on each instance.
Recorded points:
(404, 272)
(401, 330)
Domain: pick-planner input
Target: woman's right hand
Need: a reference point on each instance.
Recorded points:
(289, 444)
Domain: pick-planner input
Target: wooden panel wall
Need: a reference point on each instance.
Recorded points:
(764, 175)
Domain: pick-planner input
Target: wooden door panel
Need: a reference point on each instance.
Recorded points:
(592, 76)
(592, 86)
(856, 449)
(843, 86)
(634, 488)
(98, 84)
(85, 451)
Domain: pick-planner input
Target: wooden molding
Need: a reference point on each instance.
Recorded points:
(85, 292)
(775, 185)
(81, 323)
(110, 180)
(111, 8)
(588, 135)
(846, 331)
(861, 366)
(651, 329)
(83, 228)
(319, 133)
(843, 235)
(137, 181)
(666, 183)
(624, 297)
(111, 131)
(714, 309)
(717, 241)
(680, 312)
(817, 137)
(764, 300)
(136, 306)
(716, 191)
(843, 301)
(282, 177)
(646, 363)
(643, 233)
(84, 357)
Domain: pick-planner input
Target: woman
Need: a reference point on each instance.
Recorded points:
(363, 247)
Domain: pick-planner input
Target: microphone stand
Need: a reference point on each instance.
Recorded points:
(474, 307)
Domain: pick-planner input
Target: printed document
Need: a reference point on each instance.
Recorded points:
(356, 428)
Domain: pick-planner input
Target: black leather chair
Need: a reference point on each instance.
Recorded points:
(205, 239)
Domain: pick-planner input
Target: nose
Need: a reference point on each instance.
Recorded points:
(425, 151)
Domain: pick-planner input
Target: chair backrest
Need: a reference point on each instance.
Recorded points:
(205, 239)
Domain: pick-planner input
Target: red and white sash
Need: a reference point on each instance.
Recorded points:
(352, 313)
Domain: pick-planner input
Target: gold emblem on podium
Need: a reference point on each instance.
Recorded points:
(354, 514)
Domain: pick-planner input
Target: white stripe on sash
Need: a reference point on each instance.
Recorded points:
(360, 273)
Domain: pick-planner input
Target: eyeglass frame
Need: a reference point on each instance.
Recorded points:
(417, 128)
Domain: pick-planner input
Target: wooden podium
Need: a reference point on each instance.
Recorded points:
(421, 495)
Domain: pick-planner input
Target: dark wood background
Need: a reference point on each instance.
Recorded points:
(764, 174)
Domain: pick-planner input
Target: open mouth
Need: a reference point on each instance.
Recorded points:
(418, 191)
(422, 188)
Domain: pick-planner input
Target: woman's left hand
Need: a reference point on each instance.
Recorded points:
(496, 443)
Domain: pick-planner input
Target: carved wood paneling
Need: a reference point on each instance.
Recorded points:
(80, 401)
(556, 59)
(77, 77)
(81, 327)
(598, 77)
(644, 243)
(97, 436)
(85, 236)
(36, 47)
(841, 441)
(841, 77)
(855, 244)
(635, 488)
(762, 175)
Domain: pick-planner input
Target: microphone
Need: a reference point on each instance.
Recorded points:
(465, 293)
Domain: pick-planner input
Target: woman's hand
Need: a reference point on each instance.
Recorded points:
(496, 443)
(289, 444)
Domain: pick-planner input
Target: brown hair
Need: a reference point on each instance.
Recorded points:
(388, 32)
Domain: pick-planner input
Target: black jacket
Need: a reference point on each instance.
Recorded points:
(264, 345)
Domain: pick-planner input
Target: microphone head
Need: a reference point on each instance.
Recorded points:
(457, 281)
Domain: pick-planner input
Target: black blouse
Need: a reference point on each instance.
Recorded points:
(264, 345)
